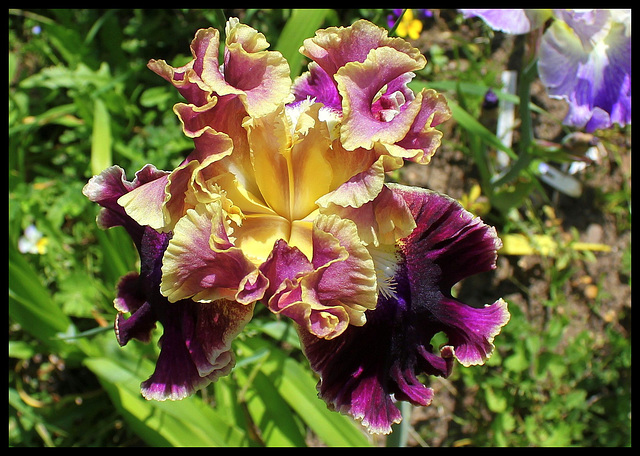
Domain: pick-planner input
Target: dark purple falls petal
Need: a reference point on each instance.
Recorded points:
(367, 369)
(196, 343)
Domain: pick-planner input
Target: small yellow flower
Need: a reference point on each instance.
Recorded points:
(409, 26)
(474, 202)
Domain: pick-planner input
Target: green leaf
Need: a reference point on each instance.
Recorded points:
(518, 361)
(495, 401)
(100, 138)
(302, 24)
(31, 304)
(269, 411)
(297, 386)
(189, 422)
(470, 123)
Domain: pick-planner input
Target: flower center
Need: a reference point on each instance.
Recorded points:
(290, 171)
(386, 259)
(386, 106)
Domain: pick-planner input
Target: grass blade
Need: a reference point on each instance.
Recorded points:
(297, 386)
(302, 24)
(100, 138)
(189, 422)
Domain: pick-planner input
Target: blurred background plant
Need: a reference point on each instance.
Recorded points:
(81, 98)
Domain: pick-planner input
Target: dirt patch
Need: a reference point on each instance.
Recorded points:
(597, 293)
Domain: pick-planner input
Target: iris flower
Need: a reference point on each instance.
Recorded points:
(584, 58)
(283, 203)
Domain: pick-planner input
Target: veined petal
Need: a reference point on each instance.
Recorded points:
(471, 331)
(333, 47)
(398, 333)
(260, 78)
(459, 242)
(359, 83)
(110, 185)
(131, 298)
(200, 261)
(317, 85)
(314, 293)
(596, 73)
(196, 347)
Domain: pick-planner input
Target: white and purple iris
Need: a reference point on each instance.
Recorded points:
(283, 203)
(584, 57)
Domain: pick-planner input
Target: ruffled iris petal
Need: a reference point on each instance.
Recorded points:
(200, 261)
(514, 21)
(362, 75)
(266, 84)
(311, 292)
(316, 84)
(196, 344)
(195, 347)
(359, 83)
(200, 81)
(383, 220)
(447, 245)
(107, 187)
(589, 67)
(144, 204)
(333, 47)
(423, 139)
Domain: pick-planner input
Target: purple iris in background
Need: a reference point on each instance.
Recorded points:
(584, 58)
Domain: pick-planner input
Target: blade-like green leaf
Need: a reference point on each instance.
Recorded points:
(302, 24)
(297, 386)
(100, 138)
(31, 305)
(189, 422)
(469, 123)
(269, 412)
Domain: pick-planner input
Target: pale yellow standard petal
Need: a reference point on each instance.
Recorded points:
(200, 262)
(144, 204)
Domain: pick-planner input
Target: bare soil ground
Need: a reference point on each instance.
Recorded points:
(597, 293)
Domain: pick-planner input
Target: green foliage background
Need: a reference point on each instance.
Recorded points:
(81, 99)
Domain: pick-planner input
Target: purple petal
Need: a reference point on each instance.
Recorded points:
(514, 21)
(317, 84)
(587, 62)
(368, 368)
(107, 187)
